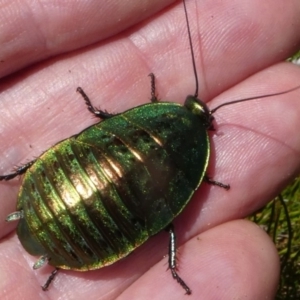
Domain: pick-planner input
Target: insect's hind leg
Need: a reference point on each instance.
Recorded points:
(217, 183)
(19, 171)
(97, 112)
(50, 279)
(172, 259)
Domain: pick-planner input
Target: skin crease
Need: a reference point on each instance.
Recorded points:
(109, 51)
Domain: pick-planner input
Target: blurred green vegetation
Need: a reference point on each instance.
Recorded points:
(295, 58)
(280, 219)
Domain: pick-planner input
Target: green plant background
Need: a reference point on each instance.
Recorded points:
(281, 220)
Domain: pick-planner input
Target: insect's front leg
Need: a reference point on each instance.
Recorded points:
(153, 88)
(19, 171)
(97, 112)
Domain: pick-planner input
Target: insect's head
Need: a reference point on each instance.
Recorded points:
(199, 108)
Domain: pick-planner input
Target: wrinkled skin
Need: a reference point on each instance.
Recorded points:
(48, 48)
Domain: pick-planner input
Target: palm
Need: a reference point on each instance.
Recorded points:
(255, 147)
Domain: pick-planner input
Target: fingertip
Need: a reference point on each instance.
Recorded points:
(235, 260)
(240, 261)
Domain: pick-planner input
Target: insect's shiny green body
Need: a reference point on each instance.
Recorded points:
(95, 197)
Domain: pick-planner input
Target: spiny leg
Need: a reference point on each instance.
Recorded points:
(19, 171)
(153, 88)
(172, 259)
(41, 262)
(50, 279)
(217, 183)
(16, 215)
(19, 214)
(44, 259)
(97, 112)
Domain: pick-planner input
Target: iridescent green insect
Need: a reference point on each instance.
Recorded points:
(93, 198)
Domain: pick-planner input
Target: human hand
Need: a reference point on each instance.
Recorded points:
(255, 146)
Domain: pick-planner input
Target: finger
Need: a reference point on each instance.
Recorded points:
(45, 29)
(41, 107)
(235, 39)
(255, 149)
(232, 261)
(60, 80)
(239, 38)
(54, 84)
(250, 26)
(31, 142)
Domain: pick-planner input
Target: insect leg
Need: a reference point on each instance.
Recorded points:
(41, 262)
(172, 259)
(97, 112)
(50, 279)
(153, 88)
(217, 183)
(19, 171)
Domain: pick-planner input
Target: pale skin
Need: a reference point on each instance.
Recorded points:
(255, 148)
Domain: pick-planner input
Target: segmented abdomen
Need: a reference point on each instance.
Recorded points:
(95, 197)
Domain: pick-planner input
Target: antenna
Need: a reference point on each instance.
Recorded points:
(253, 98)
(196, 75)
(192, 50)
